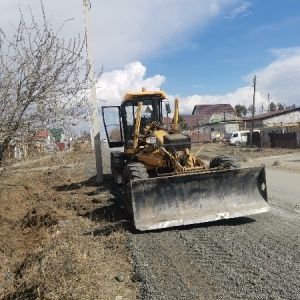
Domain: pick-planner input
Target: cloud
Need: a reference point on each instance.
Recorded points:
(112, 86)
(241, 96)
(125, 31)
(241, 10)
(281, 77)
(139, 29)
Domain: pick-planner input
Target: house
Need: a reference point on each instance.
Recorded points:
(28, 143)
(205, 110)
(274, 119)
(278, 128)
(167, 122)
(190, 122)
(207, 118)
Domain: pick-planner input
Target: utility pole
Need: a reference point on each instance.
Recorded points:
(268, 102)
(96, 142)
(253, 110)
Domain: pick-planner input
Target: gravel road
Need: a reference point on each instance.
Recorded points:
(257, 257)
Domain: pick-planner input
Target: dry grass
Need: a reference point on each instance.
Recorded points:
(56, 242)
(69, 264)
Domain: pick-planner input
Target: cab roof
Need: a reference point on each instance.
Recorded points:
(145, 95)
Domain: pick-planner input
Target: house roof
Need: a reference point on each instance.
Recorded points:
(191, 120)
(209, 109)
(42, 133)
(271, 114)
(167, 120)
(209, 113)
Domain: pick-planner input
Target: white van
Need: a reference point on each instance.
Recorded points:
(238, 137)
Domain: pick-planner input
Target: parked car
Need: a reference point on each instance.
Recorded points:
(238, 137)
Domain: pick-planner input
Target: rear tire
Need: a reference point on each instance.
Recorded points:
(132, 171)
(117, 164)
(226, 162)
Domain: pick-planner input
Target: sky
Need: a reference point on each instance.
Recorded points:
(202, 52)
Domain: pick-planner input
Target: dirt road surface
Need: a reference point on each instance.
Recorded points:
(257, 257)
(63, 236)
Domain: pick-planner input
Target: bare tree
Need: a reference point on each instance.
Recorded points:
(272, 106)
(241, 110)
(43, 79)
(280, 106)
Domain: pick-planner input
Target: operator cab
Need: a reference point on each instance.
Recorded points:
(120, 121)
(151, 111)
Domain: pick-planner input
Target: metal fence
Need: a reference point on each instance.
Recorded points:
(284, 140)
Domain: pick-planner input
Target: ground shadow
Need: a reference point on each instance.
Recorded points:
(112, 210)
(114, 214)
(225, 222)
(228, 222)
(89, 182)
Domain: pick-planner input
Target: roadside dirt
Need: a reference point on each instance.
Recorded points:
(63, 236)
(241, 153)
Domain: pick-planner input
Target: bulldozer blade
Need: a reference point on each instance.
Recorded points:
(198, 198)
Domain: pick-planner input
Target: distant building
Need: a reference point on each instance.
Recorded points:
(206, 110)
(276, 118)
(208, 118)
(279, 128)
(191, 121)
(167, 122)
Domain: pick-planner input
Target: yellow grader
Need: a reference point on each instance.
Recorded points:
(167, 185)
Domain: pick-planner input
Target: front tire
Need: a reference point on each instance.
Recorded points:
(131, 172)
(226, 162)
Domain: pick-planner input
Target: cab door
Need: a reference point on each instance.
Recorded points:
(112, 125)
